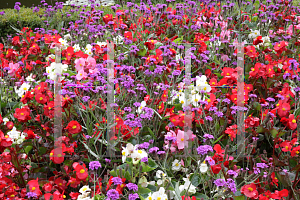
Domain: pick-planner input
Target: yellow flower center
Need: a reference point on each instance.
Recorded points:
(182, 139)
(283, 108)
(22, 113)
(286, 147)
(176, 164)
(250, 189)
(294, 121)
(41, 98)
(208, 100)
(6, 136)
(33, 188)
(73, 127)
(140, 151)
(82, 171)
(123, 153)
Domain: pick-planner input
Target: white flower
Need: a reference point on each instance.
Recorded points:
(195, 99)
(125, 153)
(188, 186)
(68, 36)
(52, 56)
(88, 50)
(16, 136)
(203, 167)
(149, 196)
(280, 66)
(29, 78)
(85, 190)
(254, 34)
(24, 88)
(5, 120)
(160, 194)
(101, 44)
(118, 39)
(161, 177)
(82, 197)
(76, 47)
(56, 68)
(137, 155)
(143, 104)
(176, 165)
(201, 84)
(143, 181)
(63, 43)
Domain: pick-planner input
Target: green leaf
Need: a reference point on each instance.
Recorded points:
(42, 150)
(151, 133)
(274, 132)
(200, 196)
(127, 175)
(239, 198)
(113, 173)
(195, 179)
(28, 148)
(152, 188)
(152, 164)
(178, 40)
(297, 112)
(146, 168)
(143, 190)
(142, 52)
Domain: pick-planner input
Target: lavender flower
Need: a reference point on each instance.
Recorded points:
(132, 186)
(133, 196)
(94, 165)
(113, 194)
(204, 149)
(117, 181)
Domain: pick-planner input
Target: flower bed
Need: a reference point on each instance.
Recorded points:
(142, 141)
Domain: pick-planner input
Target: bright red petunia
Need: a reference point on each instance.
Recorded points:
(34, 186)
(22, 114)
(81, 171)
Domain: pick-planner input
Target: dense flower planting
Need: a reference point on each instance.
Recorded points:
(151, 155)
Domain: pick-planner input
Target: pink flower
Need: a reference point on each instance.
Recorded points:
(182, 139)
(91, 62)
(93, 71)
(13, 68)
(79, 64)
(81, 74)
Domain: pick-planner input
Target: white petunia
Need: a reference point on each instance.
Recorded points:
(63, 43)
(5, 120)
(76, 47)
(29, 78)
(160, 194)
(85, 190)
(203, 167)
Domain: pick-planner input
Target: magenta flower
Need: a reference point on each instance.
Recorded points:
(182, 139)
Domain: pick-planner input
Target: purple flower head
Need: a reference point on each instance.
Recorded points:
(117, 181)
(94, 165)
(133, 196)
(86, 98)
(113, 194)
(204, 149)
(31, 194)
(145, 159)
(220, 182)
(153, 150)
(132, 186)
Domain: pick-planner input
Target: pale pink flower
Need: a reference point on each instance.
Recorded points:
(13, 68)
(79, 64)
(91, 62)
(81, 74)
(182, 139)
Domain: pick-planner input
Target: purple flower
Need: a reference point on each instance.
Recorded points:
(94, 165)
(107, 160)
(233, 173)
(262, 165)
(2, 13)
(133, 196)
(208, 136)
(137, 104)
(113, 194)
(231, 185)
(86, 98)
(204, 149)
(145, 159)
(117, 181)
(220, 182)
(153, 150)
(161, 152)
(132, 186)
(31, 194)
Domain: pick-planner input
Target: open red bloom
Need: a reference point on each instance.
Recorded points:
(81, 171)
(74, 127)
(34, 186)
(280, 194)
(40, 98)
(292, 122)
(22, 114)
(250, 191)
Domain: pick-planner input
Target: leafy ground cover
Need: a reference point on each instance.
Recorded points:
(151, 154)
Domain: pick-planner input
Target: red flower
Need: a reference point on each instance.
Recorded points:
(34, 186)
(280, 47)
(231, 131)
(57, 155)
(81, 171)
(74, 127)
(257, 40)
(250, 191)
(5, 141)
(216, 168)
(274, 179)
(107, 18)
(292, 122)
(280, 194)
(9, 125)
(40, 98)
(22, 114)
(27, 97)
(251, 51)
